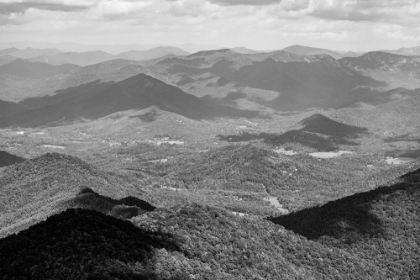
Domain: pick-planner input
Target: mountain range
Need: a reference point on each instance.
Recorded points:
(96, 100)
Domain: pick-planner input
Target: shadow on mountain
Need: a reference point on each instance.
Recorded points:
(96, 99)
(318, 132)
(404, 137)
(124, 208)
(7, 159)
(82, 244)
(321, 124)
(363, 218)
(302, 85)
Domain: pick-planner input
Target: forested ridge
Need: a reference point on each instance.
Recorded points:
(381, 226)
(369, 235)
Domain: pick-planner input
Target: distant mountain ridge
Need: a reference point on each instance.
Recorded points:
(35, 70)
(96, 100)
(304, 50)
(94, 57)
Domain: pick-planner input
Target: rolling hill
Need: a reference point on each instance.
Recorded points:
(35, 70)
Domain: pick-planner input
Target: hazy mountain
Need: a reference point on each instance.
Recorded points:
(8, 51)
(75, 47)
(35, 70)
(352, 54)
(304, 50)
(82, 58)
(322, 83)
(95, 100)
(4, 59)
(406, 51)
(193, 48)
(33, 52)
(303, 81)
(152, 53)
(244, 50)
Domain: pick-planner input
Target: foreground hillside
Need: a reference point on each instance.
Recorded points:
(40, 187)
(381, 226)
(371, 235)
(186, 242)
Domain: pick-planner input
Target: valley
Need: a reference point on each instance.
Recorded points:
(217, 164)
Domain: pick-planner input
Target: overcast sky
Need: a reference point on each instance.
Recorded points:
(257, 24)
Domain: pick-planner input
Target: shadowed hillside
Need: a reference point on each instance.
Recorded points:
(321, 124)
(7, 159)
(381, 225)
(318, 132)
(96, 100)
(124, 208)
(82, 244)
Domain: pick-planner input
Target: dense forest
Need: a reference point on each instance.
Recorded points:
(381, 226)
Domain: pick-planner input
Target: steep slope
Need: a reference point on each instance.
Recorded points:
(39, 187)
(7, 159)
(304, 50)
(35, 70)
(96, 100)
(381, 226)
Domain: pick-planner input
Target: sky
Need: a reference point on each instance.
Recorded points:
(357, 25)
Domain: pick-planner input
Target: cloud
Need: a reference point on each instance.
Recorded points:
(393, 11)
(21, 7)
(245, 2)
